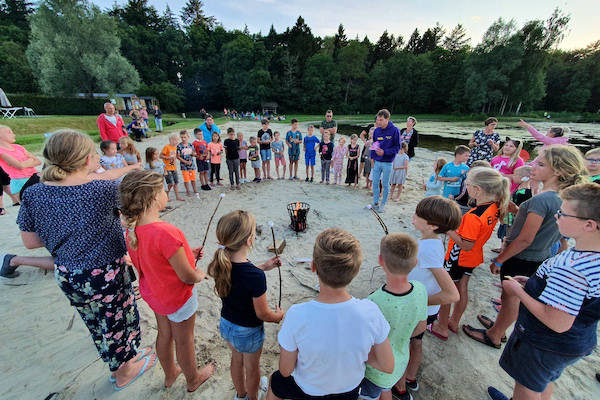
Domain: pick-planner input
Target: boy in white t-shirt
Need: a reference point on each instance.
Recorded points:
(326, 343)
(433, 216)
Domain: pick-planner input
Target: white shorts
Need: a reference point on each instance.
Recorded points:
(186, 310)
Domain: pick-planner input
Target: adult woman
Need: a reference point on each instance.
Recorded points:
(484, 143)
(77, 220)
(410, 135)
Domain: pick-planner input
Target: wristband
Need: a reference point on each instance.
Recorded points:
(498, 264)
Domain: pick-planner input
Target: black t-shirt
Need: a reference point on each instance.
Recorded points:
(521, 195)
(247, 282)
(232, 146)
(157, 113)
(326, 150)
(266, 146)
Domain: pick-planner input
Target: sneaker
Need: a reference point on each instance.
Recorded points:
(8, 272)
(306, 180)
(401, 396)
(311, 180)
(197, 195)
(291, 178)
(263, 387)
(380, 209)
(413, 385)
(495, 394)
(296, 178)
(258, 180)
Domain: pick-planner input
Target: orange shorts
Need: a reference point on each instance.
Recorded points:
(189, 176)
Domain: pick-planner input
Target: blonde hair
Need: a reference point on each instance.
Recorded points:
(481, 163)
(585, 199)
(439, 164)
(66, 152)
(525, 170)
(138, 192)
(568, 162)
(592, 152)
(399, 252)
(515, 157)
(233, 231)
(337, 256)
(127, 146)
(494, 184)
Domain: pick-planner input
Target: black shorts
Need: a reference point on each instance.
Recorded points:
(430, 320)
(4, 179)
(515, 266)
(286, 388)
(457, 272)
(243, 161)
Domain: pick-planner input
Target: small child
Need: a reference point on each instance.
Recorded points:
(310, 153)
(185, 155)
(232, 157)
(508, 160)
(404, 305)
(433, 186)
(339, 153)
(592, 163)
(366, 161)
(463, 199)
(265, 137)
(166, 266)
(491, 192)
(201, 150)
(399, 172)
(293, 139)
(111, 158)
(558, 312)
(153, 161)
(243, 154)
(326, 342)
(453, 173)
(253, 156)
(215, 149)
(352, 168)
(242, 287)
(433, 216)
(169, 155)
(128, 151)
(18, 163)
(326, 151)
(277, 146)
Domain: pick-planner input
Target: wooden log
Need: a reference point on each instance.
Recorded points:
(280, 246)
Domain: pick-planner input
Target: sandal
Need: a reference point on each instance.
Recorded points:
(434, 333)
(496, 301)
(485, 339)
(141, 353)
(145, 368)
(487, 324)
(2, 211)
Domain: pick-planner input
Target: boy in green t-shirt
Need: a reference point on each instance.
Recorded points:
(404, 305)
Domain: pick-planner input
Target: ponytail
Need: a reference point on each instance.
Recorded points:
(66, 152)
(494, 184)
(220, 269)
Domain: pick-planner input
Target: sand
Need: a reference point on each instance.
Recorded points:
(46, 347)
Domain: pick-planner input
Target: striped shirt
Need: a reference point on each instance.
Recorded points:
(571, 277)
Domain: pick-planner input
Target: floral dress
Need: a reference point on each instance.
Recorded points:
(484, 151)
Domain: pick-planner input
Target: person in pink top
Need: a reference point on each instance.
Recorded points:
(18, 163)
(215, 148)
(339, 153)
(110, 124)
(508, 160)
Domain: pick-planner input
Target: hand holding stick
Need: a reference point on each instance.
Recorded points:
(276, 255)
(208, 226)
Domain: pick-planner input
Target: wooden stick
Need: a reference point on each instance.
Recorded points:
(208, 226)
(385, 229)
(276, 255)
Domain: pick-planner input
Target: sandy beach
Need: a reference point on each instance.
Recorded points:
(46, 348)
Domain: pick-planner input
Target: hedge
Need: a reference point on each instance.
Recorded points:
(46, 105)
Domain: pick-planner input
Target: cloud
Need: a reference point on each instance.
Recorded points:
(476, 18)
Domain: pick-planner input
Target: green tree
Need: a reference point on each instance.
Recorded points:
(171, 97)
(15, 72)
(352, 60)
(457, 39)
(320, 84)
(193, 14)
(339, 41)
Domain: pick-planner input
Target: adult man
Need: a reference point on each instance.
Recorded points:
(208, 128)
(110, 124)
(410, 136)
(329, 123)
(157, 119)
(386, 144)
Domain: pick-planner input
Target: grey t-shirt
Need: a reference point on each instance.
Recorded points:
(545, 205)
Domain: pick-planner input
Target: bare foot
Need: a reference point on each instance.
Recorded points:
(435, 327)
(179, 198)
(126, 374)
(203, 374)
(170, 380)
(453, 326)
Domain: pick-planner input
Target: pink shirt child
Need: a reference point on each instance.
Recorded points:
(501, 164)
(18, 153)
(215, 152)
(337, 159)
(546, 140)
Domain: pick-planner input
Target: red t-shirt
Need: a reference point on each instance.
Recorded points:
(201, 149)
(160, 286)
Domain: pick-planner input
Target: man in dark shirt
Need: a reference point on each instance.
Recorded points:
(330, 124)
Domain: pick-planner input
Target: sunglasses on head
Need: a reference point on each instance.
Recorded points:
(516, 142)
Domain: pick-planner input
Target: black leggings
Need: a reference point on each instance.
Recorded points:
(215, 169)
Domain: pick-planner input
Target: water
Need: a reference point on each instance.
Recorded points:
(445, 135)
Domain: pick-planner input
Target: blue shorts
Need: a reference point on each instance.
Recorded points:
(309, 159)
(203, 165)
(370, 391)
(532, 367)
(242, 338)
(16, 184)
(265, 155)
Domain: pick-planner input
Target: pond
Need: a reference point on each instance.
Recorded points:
(445, 135)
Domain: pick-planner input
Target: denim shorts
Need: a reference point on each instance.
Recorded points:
(370, 391)
(172, 178)
(265, 155)
(532, 367)
(310, 159)
(242, 338)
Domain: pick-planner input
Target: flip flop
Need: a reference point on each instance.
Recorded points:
(452, 330)
(434, 333)
(6, 271)
(497, 307)
(145, 368)
(468, 330)
(487, 324)
(141, 353)
(496, 302)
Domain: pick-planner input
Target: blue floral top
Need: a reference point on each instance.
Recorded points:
(79, 225)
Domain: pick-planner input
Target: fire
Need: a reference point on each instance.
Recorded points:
(296, 209)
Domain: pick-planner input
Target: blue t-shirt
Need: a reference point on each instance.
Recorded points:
(295, 147)
(277, 148)
(247, 282)
(452, 170)
(310, 142)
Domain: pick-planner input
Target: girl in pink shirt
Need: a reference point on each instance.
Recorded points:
(215, 148)
(18, 163)
(339, 152)
(508, 160)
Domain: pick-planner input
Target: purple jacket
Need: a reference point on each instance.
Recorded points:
(389, 142)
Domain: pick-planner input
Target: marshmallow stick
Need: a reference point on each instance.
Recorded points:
(385, 229)
(208, 226)
(276, 255)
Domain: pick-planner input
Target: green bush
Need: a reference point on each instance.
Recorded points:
(46, 105)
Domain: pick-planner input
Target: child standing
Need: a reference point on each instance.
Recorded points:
(293, 138)
(399, 172)
(253, 156)
(310, 144)
(326, 151)
(128, 151)
(242, 287)
(200, 147)
(185, 155)
(243, 154)
(491, 191)
(320, 354)
(592, 163)
(433, 186)
(265, 137)
(404, 305)
(453, 173)
(366, 161)
(18, 163)
(215, 149)
(166, 266)
(558, 311)
(277, 146)
(508, 160)
(232, 156)
(169, 155)
(339, 153)
(352, 168)
(153, 161)
(111, 158)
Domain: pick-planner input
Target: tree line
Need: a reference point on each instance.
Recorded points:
(63, 47)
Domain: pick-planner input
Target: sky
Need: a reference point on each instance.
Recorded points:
(397, 17)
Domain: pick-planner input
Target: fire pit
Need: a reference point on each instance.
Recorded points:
(298, 212)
